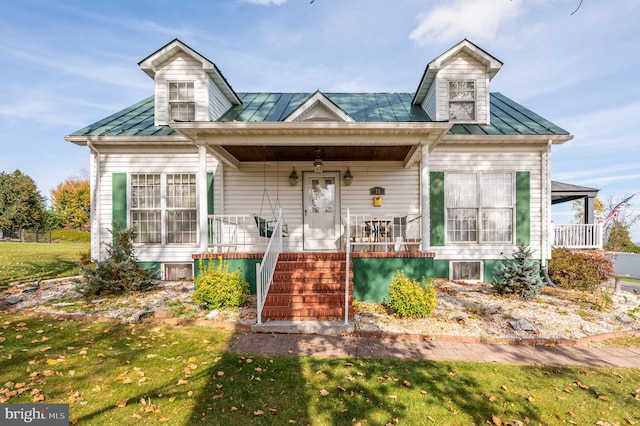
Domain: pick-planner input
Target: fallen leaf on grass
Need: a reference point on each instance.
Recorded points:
(324, 392)
(393, 397)
(496, 420)
(182, 382)
(258, 413)
(407, 383)
(122, 403)
(603, 398)
(164, 419)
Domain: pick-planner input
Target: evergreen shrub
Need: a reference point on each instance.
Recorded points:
(216, 287)
(119, 272)
(519, 276)
(410, 298)
(579, 270)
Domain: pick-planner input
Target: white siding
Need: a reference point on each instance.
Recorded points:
(429, 103)
(461, 67)
(210, 102)
(489, 159)
(149, 160)
(218, 104)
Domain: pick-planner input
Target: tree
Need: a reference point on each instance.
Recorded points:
(617, 233)
(71, 200)
(519, 276)
(21, 204)
(599, 212)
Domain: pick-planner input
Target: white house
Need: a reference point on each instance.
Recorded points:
(442, 182)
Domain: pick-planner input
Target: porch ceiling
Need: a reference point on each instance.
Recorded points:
(327, 153)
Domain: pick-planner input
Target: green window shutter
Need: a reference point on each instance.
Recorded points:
(523, 208)
(436, 209)
(209, 192)
(119, 199)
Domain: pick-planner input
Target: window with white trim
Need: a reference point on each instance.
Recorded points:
(462, 100)
(181, 213)
(146, 211)
(163, 208)
(182, 105)
(480, 207)
(466, 270)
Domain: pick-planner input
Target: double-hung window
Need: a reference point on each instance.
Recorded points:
(462, 100)
(480, 207)
(182, 105)
(181, 215)
(163, 208)
(146, 210)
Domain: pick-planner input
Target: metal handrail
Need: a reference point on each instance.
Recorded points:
(266, 268)
(347, 251)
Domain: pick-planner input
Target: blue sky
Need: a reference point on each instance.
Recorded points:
(68, 63)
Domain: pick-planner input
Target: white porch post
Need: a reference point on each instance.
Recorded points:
(424, 197)
(202, 199)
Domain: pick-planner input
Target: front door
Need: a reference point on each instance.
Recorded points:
(321, 211)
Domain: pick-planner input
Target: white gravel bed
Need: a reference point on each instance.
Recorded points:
(462, 310)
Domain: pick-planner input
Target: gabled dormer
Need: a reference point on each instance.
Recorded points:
(455, 85)
(188, 87)
(318, 108)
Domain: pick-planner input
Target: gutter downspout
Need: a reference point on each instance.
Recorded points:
(95, 172)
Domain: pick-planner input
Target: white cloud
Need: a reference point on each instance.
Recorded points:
(472, 19)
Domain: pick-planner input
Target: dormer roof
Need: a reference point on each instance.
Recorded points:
(492, 64)
(152, 63)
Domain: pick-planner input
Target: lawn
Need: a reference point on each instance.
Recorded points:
(146, 374)
(23, 262)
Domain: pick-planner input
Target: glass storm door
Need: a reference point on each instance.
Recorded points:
(321, 211)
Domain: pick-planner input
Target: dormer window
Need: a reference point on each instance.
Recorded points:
(182, 105)
(462, 100)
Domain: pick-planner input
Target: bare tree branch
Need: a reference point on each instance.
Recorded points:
(571, 12)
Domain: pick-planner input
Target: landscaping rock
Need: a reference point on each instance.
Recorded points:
(61, 305)
(625, 319)
(14, 300)
(523, 325)
(213, 314)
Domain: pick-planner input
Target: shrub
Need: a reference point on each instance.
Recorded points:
(119, 272)
(71, 235)
(519, 276)
(409, 298)
(579, 270)
(216, 287)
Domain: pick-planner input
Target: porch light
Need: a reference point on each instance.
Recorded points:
(317, 163)
(348, 178)
(293, 177)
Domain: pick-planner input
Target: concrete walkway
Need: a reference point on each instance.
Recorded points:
(359, 347)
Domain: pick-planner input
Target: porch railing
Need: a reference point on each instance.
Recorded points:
(233, 232)
(384, 233)
(266, 268)
(578, 236)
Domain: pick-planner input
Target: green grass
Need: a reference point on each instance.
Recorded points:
(23, 262)
(185, 375)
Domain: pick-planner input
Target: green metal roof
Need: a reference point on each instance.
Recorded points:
(507, 116)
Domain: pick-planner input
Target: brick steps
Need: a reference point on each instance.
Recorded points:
(308, 287)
